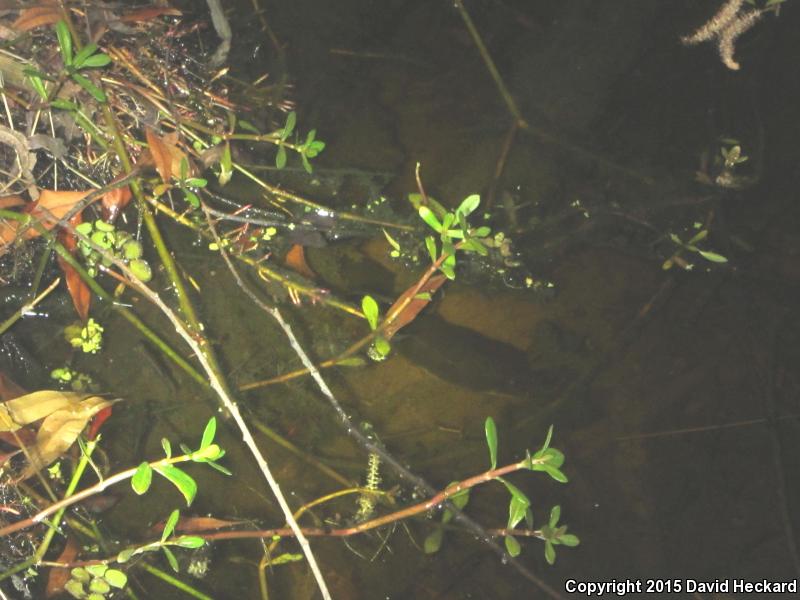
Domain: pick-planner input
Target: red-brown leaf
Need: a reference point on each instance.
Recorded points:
(114, 201)
(47, 13)
(78, 290)
(296, 260)
(414, 306)
(58, 577)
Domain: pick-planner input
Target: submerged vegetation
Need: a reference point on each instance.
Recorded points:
(107, 141)
(149, 189)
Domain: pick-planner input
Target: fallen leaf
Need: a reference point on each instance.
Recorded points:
(78, 289)
(114, 201)
(47, 13)
(59, 430)
(9, 389)
(34, 406)
(166, 154)
(58, 577)
(414, 306)
(296, 260)
(11, 201)
(58, 203)
(197, 524)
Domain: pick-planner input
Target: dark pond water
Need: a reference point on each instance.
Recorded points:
(673, 393)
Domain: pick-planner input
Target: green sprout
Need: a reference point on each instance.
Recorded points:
(691, 246)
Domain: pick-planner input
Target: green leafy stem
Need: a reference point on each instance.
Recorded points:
(141, 477)
(547, 459)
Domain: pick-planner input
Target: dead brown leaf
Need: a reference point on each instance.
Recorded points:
(58, 203)
(166, 154)
(296, 260)
(414, 306)
(58, 577)
(47, 13)
(59, 430)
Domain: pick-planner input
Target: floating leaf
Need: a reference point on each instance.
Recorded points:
(116, 578)
(141, 480)
(491, 440)
(185, 484)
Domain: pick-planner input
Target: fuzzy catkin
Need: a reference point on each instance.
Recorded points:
(728, 37)
(715, 24)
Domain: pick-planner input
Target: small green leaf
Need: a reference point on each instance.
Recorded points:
(392, 242)
(64, 42)
(198, 182)
(549, 552)
(125, 555)
(512, 546)
(433, 542)
(280, 157)
(38, 85)
(173, 562)
(473, 245)
(547, 439)
(569, 539)
(189, 541)
(185, 484)
(469, 204)
(516, 511)
(713, 256)
(555, 515)
(285, 558)
(116, 578)
(491, 440)
(141, 480)
(430, 244)
(80, 574)
(426, 214)
(83, 54)
(248, 126)
(75, 589)
(169, 526)
(529, 518)
(310, 137)
(99, 586)
(209, 453)
(219, 468)
(288, 127)
(208, 433)
(167, 447)
(516, 494)
(87, 85)
(97, 61)
(555, 474)
(448, 270)
(382, 346)
(676, 239)
(371, 311)
(306, 164)
(482, 232)
(63, 104)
